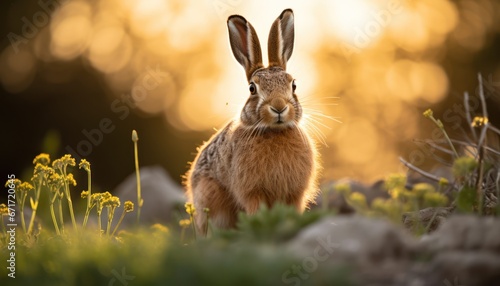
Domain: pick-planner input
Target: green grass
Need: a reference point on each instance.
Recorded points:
(156, 256)
(61, 250)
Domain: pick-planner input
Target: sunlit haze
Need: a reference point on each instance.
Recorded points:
(373, 65)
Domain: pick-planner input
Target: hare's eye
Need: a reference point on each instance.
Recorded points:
(294, 85)
(252, 88)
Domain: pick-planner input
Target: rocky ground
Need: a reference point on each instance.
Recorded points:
(463, 250)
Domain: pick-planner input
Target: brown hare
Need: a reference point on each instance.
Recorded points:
(265, 156)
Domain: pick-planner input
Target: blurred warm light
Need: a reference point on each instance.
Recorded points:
(17, 69)
(360, 141)
(110, 49)
(195, 108)
(105, 41)
(71, 28)
(188, 21)
(345, 17)
(160, 94)
(410, 30)
(229, 95)
(70, 37)
(379, 60)
(423, 24)
(41, 47)
(441, 15)
(476, 17)
(149, 17)
(413, 81)
(429, 82)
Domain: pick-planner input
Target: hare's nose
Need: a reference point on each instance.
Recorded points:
(279, 111)
(278, 105)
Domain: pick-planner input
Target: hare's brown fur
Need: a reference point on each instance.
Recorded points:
(265, 156)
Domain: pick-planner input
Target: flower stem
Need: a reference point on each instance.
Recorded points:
(191, 216)
(35, 205)
(99, 222)
(441, 127)
(89, 184)
(61, 217)
(68, 197)
(4, 230)
(52, 212)
(85, 219)
(135, 138)
(183, 232)
(111, 213)
(119, 222)
(21, 205)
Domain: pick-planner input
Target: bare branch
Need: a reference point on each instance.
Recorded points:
(420, 171)
(467, 115)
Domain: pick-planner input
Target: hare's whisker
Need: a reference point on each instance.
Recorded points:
(316, 132)
(316, 121)
(314, 113)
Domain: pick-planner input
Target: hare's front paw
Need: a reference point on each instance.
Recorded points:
(222, 209)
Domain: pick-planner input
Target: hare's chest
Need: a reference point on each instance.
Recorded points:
(275, 162)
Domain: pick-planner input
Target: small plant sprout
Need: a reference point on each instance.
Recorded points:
(435, 199)
(358, 201)
(159, 228)
(135, 138)
(442, 183)
(395, 181)
(464, 167)
(191, 212)
(85, 165)
(389, 208)
(61, 165)
(342, 188)
(127, 207)
(429, 114)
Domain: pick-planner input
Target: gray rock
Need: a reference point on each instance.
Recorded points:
(162, 197)
(465, 267)
(354, 238)
(464, 251)
(467, 233)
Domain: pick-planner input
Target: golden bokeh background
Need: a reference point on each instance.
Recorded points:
(373, 65)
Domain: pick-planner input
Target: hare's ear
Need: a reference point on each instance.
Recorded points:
(280, 42)
(245, 44)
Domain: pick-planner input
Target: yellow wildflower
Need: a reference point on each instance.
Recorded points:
(184, 223)
(42, 158)
(428, 113)
(190, 208)
(84, 164)
(129, 206)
